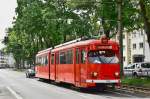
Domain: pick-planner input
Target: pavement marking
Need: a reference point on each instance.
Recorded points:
(14, 93)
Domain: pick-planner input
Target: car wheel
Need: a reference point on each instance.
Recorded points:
(135, 75)
(27, 76)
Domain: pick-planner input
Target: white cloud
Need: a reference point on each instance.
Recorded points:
(7, 12)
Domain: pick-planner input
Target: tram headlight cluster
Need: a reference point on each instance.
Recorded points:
(116, 74)
(94, 74)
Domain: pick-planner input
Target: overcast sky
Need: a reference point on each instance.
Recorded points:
(7, 12)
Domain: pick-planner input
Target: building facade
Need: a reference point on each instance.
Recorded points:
(3, 60)
(135, 47)
(6, 60)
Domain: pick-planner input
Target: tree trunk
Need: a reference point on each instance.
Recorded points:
(106, 30)
(146, 20)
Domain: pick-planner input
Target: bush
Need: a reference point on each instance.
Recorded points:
(140, 82)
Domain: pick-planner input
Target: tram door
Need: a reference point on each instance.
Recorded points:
(52, 67)
(79, 65)
(83, 68)
(56, 66)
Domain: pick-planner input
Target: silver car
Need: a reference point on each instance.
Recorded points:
(137, 69)
(30, 73)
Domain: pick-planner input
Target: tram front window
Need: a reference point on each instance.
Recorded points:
(100, 57)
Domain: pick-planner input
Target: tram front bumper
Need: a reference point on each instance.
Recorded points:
(102, 81)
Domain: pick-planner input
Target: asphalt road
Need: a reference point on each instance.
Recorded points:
(25, 88)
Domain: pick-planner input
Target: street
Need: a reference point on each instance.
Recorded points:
(25, 88)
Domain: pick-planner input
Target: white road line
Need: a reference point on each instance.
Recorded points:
(14, 93)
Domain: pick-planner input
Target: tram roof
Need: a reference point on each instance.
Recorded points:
(44, 51)
(83, 43)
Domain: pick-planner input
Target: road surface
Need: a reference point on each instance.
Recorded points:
(25, 88)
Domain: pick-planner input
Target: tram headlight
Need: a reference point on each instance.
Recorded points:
(94, 74)
(116, 74)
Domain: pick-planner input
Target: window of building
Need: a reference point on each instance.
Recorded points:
(62, 58)
(142, 33)
(124, 47)
(52, 58)
(124, 58)
(133, 34)
(134, 46)
(123, 36)
(141, 45)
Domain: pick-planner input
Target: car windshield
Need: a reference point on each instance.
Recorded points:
(145, 65)
(105, 56)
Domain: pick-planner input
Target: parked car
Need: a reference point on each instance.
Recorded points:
(137, 69)
(30, 73)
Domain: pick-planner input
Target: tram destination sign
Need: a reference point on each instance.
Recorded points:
(104, 47)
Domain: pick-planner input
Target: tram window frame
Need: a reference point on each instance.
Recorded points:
(83, 56)
(69, 57)
(77, 56)
(43, 60)
(57, 58)
(52, 58)
(46, 60)
(38, 62)
(62, 58)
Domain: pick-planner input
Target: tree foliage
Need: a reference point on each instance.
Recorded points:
(41, 24)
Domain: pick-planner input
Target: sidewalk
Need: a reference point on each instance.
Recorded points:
(5, 93)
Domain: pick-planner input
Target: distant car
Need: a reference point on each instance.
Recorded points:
(30, 73)
(137, 69)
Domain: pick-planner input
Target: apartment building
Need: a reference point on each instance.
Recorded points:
(3, 60)
(135, 47)
(6, 60)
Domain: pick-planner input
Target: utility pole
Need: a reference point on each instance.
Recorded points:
(120, 35)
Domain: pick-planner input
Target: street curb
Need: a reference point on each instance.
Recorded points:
(14, 93)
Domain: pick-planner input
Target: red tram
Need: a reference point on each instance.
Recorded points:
(86, 64)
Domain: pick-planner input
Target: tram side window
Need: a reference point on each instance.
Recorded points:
(52, 59)
(62, 58)
(69, 57)
(44, 60)
(57, 58)
(83, 58)
(77, 56)
(38, 63)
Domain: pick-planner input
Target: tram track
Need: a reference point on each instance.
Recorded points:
(135, 89)
(118, 92)
(131, 91)
(126, 94)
